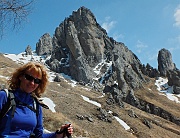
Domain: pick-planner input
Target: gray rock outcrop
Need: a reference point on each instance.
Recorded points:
(148, 70)
(174, 80)
(28, 50)
(168, 69)
(57, 78)
(165, 62)
(127, 68)
(44, 46)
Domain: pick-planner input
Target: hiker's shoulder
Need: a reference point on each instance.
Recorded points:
(3, 96)
(3, 93)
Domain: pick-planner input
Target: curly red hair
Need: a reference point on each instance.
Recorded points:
(14, 82)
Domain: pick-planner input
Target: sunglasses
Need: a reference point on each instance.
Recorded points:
(31, 78)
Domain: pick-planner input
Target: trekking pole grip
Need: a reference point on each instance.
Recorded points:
(67, 133)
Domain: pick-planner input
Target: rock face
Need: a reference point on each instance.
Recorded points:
(150, 71)
(165, 62)
(79, 45)
(174, 80)
(44, 46)
(127, 68)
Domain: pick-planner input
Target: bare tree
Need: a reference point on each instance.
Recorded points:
(13, 13)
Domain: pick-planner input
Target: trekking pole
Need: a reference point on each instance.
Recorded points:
(67, 133)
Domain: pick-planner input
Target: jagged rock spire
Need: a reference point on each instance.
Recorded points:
(165, 62)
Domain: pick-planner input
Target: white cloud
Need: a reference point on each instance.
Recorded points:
(140, 46)
(152, 57)
(174, 43)
(118, 37)
(177, 16)
(108, 25)
(175, 40)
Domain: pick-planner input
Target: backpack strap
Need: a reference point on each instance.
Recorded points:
(10, 104)
(38, 103)
(41, 103)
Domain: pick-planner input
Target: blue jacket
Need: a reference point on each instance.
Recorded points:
(25, 120)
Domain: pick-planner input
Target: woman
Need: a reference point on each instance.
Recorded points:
(27, 83)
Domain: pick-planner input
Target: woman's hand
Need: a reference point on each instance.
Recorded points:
(66, 130)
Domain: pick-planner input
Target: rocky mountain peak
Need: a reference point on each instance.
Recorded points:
(84, 14)
(83, 50)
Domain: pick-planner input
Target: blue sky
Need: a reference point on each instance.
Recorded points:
(144, 26)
